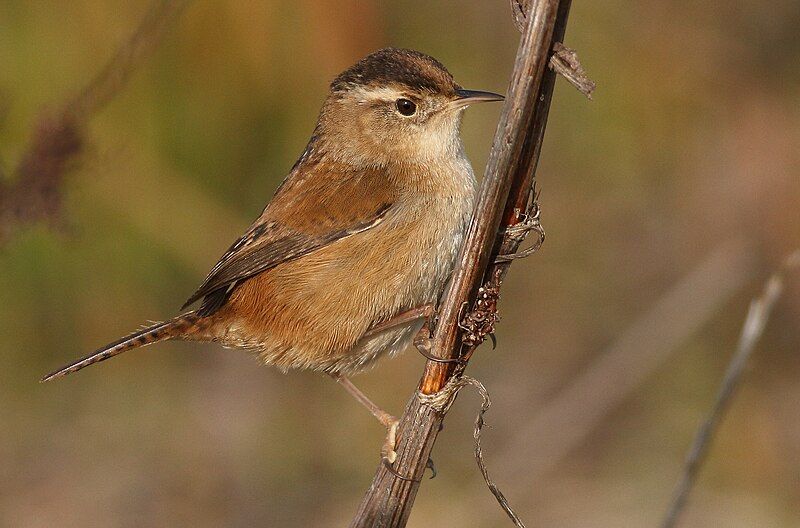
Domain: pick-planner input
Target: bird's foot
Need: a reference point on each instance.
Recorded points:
(424, 342)
(388, 453)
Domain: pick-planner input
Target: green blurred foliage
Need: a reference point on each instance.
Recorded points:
(691, 141)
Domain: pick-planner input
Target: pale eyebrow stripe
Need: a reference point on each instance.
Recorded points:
(365, 95)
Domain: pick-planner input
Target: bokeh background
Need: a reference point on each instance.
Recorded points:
(667, 201)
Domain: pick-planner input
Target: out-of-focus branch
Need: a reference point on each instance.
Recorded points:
(118, 70)
(550, 434)
(576, 410)
(757, 317)
(503, 205)
(35, 191)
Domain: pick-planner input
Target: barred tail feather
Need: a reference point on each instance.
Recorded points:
(178, 327)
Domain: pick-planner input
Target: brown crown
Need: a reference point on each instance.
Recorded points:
(415, 70)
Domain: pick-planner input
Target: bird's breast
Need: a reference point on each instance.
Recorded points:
(311, 312)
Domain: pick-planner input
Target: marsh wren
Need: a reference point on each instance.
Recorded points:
(358, 241)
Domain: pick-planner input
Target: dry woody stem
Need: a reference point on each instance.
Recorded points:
(565, 62)
(468, 311)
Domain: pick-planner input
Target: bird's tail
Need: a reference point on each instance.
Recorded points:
(182, 326)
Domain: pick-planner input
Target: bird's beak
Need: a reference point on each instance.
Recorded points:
(467, 97)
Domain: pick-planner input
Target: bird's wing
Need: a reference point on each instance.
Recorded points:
(308, 213)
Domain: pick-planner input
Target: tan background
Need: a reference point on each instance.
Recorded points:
(684, 167)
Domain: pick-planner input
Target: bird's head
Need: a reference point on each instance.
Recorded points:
(395, 105)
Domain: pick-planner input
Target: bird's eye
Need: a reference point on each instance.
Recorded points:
(406, 107)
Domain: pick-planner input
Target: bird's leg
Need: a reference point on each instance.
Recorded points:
(388, 453)
(426, 311)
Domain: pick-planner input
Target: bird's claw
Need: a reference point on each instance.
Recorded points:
(430, 465)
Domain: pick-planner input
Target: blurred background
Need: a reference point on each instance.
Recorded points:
(667, 202)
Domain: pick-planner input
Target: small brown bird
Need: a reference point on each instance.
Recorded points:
(358, 242)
